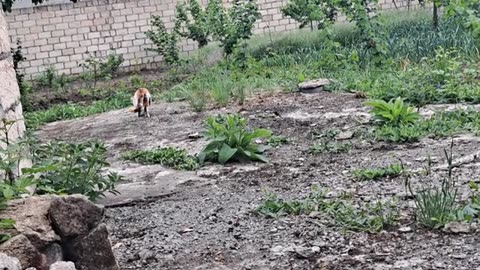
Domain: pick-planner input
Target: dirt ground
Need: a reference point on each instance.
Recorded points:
(204, 220)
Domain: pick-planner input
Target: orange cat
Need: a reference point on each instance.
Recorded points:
(142, 99)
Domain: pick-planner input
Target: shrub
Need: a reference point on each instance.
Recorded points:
(171, 157)
(230, 140)
(235, 25)
(308, 12)
(73, 168)
(165, 42)
(196, 20)
(394, 113)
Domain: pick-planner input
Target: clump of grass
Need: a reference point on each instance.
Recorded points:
(391, 171)
(276, 141)
(370, 217)
(174, 158)
(437, 206)
(330, 147)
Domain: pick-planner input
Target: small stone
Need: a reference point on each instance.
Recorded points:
(405, 229)
(345, 135)
(62, 266)
(457, 227)
(305, 252)
(74, 215)
(194, 136)
(313, 84)
(21, 248)
(278, 250)
(9, 263)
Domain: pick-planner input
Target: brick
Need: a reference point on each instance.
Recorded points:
(76, 57)
(55, 53)
(104, 47)
(85, 43)
(63, 59)
(36, 29)
(118, 6)
(40, 42)
(132, 17)
(92, 48)
(53, 40)
(48, 14)
(58, 33)
(22, 31)
(81, 17)
(141, 22)
(132, 31)
(14, 25)
(126, 44)
(117, 26)
(140, 10)
(58, 66)
(71, 31)
(80, 50)
(126, 12)
(31, 70)
(22, 17)
(41, 55)
(61, 26)
(93, 35)
(36, 63)
(133, 49)
(59, 46)
(85, 23)
(68, 51)
(129, 24)
(48, 28)
(168, 12)
(29, 23)
(43, 21)
(83, 30)
(77, 37)
(138, 42)
(70, 64)
(45, 35)
(76, 70)
(55, 20)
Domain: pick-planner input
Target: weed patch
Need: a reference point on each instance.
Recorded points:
(174, 158)
(391, 171)
(370, 217)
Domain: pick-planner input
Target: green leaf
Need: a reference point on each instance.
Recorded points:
(226, 153)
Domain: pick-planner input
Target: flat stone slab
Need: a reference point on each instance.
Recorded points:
(313, 86)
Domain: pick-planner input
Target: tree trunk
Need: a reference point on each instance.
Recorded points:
(435, 16)
(10, 106)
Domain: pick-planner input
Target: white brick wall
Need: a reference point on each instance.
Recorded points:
(63, 34)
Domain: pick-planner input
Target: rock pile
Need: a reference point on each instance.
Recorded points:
(51, 230)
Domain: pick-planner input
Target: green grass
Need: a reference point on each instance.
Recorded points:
(70, 111)
(440, 125)
(370, 217)
(367, 174)
(174, 158)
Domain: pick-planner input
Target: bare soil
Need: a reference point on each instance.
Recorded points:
(205, 219)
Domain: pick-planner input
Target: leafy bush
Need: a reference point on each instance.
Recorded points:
(171, 157)
(231, 140)
(165, 42)
(235, 25)
(73, 169)
(392, 170)
(197, 21)
(394, 113)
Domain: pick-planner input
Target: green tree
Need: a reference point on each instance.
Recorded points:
(308, 12)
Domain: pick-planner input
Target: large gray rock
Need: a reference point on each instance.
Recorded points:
(93, 251)
(63, 266)
(74, 216)
(22, 249)
(9, 263)
(31, 219)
